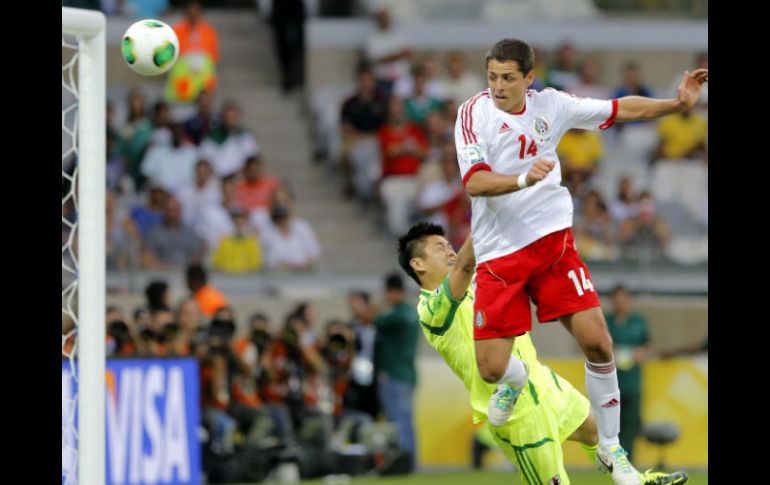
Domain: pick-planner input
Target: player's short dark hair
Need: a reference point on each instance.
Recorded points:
(513, 50)
(412, 244)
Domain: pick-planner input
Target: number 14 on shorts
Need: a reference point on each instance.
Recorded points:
(580, 286)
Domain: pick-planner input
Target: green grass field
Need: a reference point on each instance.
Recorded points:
(485, 478)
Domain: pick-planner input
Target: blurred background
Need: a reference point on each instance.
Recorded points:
(252, 214)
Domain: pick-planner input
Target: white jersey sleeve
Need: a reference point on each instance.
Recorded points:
(584, 113)
(470, 141)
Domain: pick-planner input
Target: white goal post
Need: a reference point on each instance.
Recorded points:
(88, 146)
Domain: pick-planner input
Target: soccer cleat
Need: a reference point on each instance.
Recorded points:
(616, 462)
(660, 478)
(501, 404)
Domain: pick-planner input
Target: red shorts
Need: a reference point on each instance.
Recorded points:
(549, 271)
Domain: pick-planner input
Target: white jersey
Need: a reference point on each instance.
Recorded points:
(488, 138)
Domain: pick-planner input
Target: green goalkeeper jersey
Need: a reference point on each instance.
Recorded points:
(448, 326)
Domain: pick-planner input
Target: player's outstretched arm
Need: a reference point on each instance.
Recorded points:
(632, 108)
(462, 272)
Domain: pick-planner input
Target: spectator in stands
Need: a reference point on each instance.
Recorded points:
(624, 206)
(562, 74)
(195, 69)
(259, 332)
(450, 112)
(121, 336)
(241, 252)
(362, 392)
(229, 145)
(682, 136)
(337, 346)
(215, 222)
(633, 84)
(122, 235)
(153, 337)
(161, 124)
(593, 229)
(433, 87)
(460, 84)
(116, 149)
(645, 228)
(541, 69)
(198, 126)
(631, 347)
(287, 18)
(420, 103)
(395, 352)
(588, 84)
(261, 218)
(189, 319)
(158, 296)
(388, 51)
(292, 367)
(307, 313)
(146, 216)
(403, 146)
(215, 397)
(362, 115)
(171, 165)
(243, 368)
(136, 135)
(580, 152)
(255, 191)
(440, 198)
(196, 198)
(290, 242)
(171, 244)
(209, 298)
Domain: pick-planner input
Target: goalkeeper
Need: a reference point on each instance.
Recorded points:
(548, 410)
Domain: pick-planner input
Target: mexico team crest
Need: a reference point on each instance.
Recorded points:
(555, 480)
(480, 319)
(542, 128)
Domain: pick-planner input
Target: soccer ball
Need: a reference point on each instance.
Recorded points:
(150, 47)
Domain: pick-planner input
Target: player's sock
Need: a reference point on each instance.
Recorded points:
(603, 392)
(590, 451)
(516, 373)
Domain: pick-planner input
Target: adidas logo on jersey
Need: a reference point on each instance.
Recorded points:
(504, 127)
(611, 403)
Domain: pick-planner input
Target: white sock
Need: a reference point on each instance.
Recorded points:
(603, 392)
(515, 374)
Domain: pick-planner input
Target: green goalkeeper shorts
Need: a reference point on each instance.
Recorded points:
(533, 442)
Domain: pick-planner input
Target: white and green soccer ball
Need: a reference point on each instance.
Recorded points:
(150, 47)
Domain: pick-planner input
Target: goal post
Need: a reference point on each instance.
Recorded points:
(88, 146)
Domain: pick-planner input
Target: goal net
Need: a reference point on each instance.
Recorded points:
(83, 246)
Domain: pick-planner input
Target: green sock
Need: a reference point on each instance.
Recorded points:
(590, 451)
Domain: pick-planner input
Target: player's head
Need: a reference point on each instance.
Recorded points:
(424, 253)
(510, 71)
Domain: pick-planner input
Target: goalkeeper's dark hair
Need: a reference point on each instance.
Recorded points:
(412, 244)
